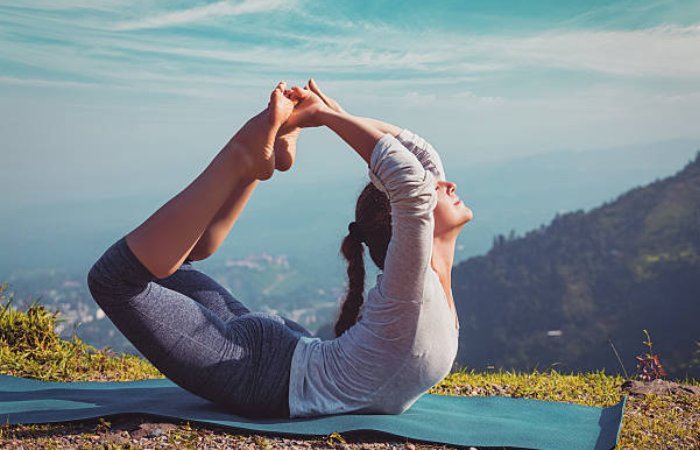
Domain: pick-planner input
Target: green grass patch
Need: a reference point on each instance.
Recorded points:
(30, 348)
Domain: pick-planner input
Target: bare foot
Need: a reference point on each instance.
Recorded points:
(307, 105)
(259, 133)
(286, 147)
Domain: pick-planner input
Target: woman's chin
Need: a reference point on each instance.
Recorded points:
(468, 215)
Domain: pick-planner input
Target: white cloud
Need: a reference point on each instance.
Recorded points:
(37, 82)
(219, 9)
(666, 51)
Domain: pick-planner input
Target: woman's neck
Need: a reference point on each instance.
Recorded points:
(443, 257)
(442, 260)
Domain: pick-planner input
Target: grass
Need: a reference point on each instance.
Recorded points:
(30, 348)
(650, 421)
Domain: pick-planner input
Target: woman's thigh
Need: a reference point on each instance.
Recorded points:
(205, 290)
(188, 280)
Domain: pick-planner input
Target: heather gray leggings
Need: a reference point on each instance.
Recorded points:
(197, 334)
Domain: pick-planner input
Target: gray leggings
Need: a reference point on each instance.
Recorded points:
(197, 334)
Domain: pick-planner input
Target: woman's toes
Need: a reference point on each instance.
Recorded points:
(280, 107)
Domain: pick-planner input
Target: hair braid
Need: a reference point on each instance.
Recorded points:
(353, 251)
(373, 226)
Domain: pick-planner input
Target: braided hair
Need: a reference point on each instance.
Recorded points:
(372, 227)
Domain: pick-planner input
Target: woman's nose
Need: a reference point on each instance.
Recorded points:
(451, 187)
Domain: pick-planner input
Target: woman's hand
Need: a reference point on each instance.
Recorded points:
(308, 110)
(310, 102)
(332, 104)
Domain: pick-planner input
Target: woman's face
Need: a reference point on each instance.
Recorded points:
(450, 213)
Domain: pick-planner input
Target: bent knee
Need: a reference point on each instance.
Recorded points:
(116, 276)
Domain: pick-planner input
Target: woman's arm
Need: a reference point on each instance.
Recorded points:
(357, 133)
(412, 197)
(397, 172)
(311, 111)
(425, 152)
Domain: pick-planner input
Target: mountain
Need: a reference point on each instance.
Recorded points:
(560, 293)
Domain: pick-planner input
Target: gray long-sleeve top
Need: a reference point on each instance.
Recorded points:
(405, 341)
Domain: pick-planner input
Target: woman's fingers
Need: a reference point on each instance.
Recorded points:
(327, 100)
(300, 93)
(315, 89)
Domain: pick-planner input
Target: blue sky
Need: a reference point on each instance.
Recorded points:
(93, 94)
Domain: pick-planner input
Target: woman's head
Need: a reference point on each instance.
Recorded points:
(450, 213)
(372, 227)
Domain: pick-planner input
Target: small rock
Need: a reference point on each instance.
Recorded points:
(659, 387)
(410, 446)
(152, 430)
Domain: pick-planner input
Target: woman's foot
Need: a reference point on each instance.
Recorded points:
(258, 135)
(286, 147)
(302, 116)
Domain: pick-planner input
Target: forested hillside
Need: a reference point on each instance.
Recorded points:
(557, 295)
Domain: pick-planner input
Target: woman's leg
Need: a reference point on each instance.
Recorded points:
(181, 337)
(242, 364)
(206, 291)
(209, 293)
(167, 237)
(223, 221)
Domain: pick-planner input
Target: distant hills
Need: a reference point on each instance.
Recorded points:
(558, 294)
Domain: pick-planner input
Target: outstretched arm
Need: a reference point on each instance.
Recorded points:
(425, 152)
(357, 133)
(383, 127)
(397, 172)
(311, 111)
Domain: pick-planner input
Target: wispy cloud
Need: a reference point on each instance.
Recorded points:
(380, 55)
(44, 83)
(665, 51)
(219, 9)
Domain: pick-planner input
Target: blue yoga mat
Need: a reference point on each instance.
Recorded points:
(452, 420)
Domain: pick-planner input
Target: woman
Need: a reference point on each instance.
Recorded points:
(263, 365)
